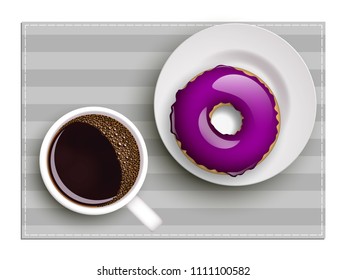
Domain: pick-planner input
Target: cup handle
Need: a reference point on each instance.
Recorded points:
(144, 213)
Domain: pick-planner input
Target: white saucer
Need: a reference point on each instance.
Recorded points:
(269, 57)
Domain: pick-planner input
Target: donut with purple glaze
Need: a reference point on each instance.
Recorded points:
(202, 143)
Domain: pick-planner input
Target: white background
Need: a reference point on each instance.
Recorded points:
(79, 259)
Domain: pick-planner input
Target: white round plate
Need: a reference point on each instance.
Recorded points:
(259, 51)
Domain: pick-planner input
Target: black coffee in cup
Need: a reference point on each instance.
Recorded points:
(94, 160)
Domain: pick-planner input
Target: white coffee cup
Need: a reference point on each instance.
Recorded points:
(143, 212)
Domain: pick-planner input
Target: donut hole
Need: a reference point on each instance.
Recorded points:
(226, 119)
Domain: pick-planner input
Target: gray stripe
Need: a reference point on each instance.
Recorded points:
(90, 78)
(156, 147)
(320, 94)
(103, 43)
(89, 95)
(135, 112)
(169, 231)
(234, 199)
(155, 28)
(320, 113)
(313, 148)
(297, 28)
(95, 60)
(306, 43)
(204, 199)
(38, 129)
(307, 164)
(167, 165)
(61, 216)
(187, 182)
(117, 60)
(136, 43)
(318, 77)
(312, 60)
(48, 112)
(105, 95)
(317, 130)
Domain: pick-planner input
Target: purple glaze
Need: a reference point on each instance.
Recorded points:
(231, 154)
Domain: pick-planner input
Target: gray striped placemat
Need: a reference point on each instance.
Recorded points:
(70, 65)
